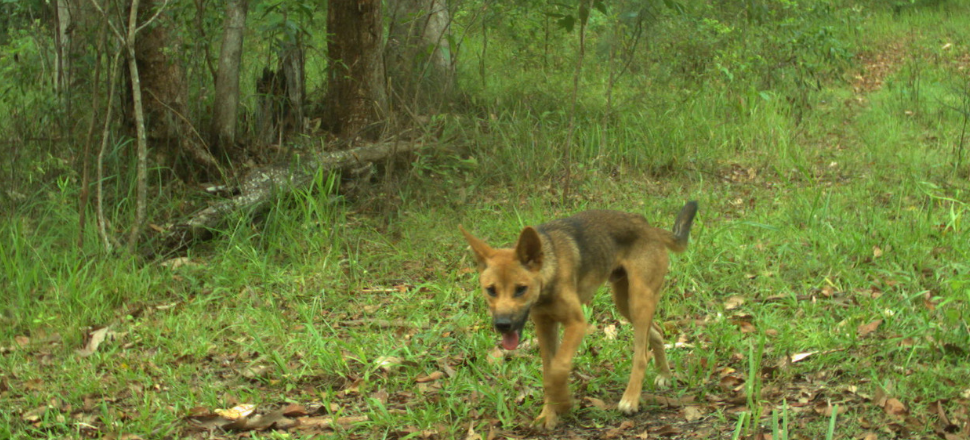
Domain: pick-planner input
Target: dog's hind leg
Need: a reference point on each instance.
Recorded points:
(620, 288)
(664, 376)
(642, 299)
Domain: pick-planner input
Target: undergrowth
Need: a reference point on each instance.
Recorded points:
(827, 275)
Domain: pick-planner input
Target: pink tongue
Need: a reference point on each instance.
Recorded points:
(510, 340)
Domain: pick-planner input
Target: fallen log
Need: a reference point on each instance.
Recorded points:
(260, 188)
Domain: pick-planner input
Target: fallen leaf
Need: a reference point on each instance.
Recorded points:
(429, 378)
(35, 384)
(21, 340)
(881, 396)
(666, 431)
(294, 410)
(744, 322)
(747, 327)
(327, 422)
(178, 262)
(668, 401)
(895, 408)
(446, 367)
(496, 356)
(876, 252)
(869, 435)
(95, 339)
(471, 434)
(828, 291)
(236, 412)
(610, 331)
(255, 371)
(388, 363)
(260, 422)
(733, 302)
(34, 415)
(353, 387)
(596, 403)
(692, 413)
(379, 395)
(618, 431)
(865, 329)
(825, 408)
(798, 357)
(730, 383)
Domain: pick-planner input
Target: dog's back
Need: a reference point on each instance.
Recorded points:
(598, 238)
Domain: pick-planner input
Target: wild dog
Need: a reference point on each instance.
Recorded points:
(556, 267)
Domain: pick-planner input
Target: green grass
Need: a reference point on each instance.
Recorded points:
(822, 222)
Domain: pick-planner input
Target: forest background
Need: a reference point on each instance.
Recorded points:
(239, 219)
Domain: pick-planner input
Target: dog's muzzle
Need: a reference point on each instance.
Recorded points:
(510, 326)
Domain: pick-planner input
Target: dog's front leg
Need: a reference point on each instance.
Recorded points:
(557, 361)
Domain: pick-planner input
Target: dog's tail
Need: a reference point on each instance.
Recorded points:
(681, 231)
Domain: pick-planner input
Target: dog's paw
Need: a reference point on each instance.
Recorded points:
(564, 405)
(662, 381)
(547, 419)
(628, 407)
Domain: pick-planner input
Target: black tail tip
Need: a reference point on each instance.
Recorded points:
(689, 209)
(684, 220)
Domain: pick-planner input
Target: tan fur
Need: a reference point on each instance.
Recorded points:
(558, 266)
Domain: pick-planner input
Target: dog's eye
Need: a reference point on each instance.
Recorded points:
(520, 290)
(490, 290)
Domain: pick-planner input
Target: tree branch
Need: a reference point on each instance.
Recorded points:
(261, 187)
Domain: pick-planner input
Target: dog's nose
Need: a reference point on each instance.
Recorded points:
(503, 324)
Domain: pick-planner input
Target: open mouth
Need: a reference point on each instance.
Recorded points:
(510, 340)
(510, 327)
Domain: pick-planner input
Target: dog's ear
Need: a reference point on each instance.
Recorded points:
(481, 249)
(529, 249)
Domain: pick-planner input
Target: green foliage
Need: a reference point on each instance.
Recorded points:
(284, 22)
(824, 207)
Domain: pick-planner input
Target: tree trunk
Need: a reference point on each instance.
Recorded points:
(226, 102)
(357, 98)
(282, 93)
(292, 65)
(62, 54)
(418, 57)
(141, 199)
(166, 97)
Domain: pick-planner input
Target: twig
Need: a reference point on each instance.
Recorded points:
(86, 166)
(150, 20)
(99, 202)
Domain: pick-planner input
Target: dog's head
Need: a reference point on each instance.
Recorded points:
(510, 281)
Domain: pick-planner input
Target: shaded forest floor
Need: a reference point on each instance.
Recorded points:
(824, 293)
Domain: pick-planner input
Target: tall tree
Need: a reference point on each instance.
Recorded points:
(226, 101)
(418, 55)
(357, 96)
(62, 52)
(165, 90)
(292, 64)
